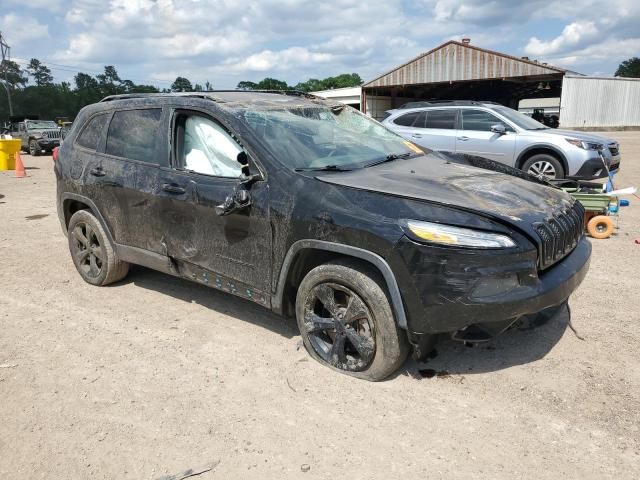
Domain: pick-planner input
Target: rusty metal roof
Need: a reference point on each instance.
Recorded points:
(456, 61)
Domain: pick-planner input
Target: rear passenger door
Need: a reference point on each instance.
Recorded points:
(476, 138)
(436, 129)
(113, 175)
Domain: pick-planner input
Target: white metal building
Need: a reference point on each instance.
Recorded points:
(349, 95)
(600, 103)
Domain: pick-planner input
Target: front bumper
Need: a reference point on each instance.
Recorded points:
(444, 295)
(593, 168)
(48, 144)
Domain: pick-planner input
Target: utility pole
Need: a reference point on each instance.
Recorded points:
(6, 50)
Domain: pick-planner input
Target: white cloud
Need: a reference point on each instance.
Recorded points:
(229, 40)
(289, 58)
(18, 28)
(573, 35)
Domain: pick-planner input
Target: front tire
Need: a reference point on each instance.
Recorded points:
(92, 253)
(346, 321)
(544, 164)
(34, 148)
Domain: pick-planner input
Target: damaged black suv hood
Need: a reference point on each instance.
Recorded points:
(434, 179)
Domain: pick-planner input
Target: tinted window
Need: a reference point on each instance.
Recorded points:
(209, 148)
(92, 132)
(443, 119)
(479, 120)
(133, 134)
(406, 120)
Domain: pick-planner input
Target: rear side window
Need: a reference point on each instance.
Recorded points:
(479, 120)
(407, 119)
(133, 134)
(442, 119)
(92, 132)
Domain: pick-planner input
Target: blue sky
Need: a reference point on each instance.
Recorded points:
(225, 41)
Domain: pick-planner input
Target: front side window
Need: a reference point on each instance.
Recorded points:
(479, 120)
(133, 134)
(92, 132)
(323, 137)
(208, 148)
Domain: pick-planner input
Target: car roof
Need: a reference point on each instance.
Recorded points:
(230, 98)
(445, 104)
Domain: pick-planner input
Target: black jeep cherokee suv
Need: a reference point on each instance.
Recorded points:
(314, 210)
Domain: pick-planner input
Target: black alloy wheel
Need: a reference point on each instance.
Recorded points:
(339, 327)
(88, 253)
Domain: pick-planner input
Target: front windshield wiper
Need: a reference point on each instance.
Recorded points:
(390, 158)
(539, 128)
(326, 168)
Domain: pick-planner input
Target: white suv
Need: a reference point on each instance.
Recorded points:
(499, 133)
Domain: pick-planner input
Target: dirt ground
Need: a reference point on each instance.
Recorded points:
(155, 375)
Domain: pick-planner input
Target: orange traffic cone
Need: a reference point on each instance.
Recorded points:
(20, 171)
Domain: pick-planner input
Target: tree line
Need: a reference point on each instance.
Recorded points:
(311, 85)
(34, 91)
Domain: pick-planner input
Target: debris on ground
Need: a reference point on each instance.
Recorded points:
(191, 472)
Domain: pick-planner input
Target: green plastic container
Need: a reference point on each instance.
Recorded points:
(592, 202)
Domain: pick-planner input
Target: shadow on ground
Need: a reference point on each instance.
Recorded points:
(527, 341)
(221, 302)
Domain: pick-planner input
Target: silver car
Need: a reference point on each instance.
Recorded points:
(499, 133)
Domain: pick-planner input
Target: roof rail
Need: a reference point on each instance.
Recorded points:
(128, 96)
(209, 95)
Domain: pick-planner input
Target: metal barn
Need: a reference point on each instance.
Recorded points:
(461, 71)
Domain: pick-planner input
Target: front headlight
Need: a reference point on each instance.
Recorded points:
(585, 145)
(455, 236)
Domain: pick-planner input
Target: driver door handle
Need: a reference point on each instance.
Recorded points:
(97, 172)
(416, 135)
(172, 188)
(464, 139)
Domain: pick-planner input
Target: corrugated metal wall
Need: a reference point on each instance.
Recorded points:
(590, 102)
(455, 62)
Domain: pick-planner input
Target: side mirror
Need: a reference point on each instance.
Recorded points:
(240, 198)
(499, 128)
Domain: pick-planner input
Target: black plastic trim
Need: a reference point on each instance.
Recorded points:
(540, 146)
(373, 258)
(94, 210)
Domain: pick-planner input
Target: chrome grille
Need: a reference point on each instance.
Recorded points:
(559, 235)
(53, 134)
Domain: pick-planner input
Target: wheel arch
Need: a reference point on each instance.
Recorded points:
(543, 148)
(304, 255)
(72, 202)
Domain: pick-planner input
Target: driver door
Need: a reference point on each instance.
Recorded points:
(231, 252)
(475, 137)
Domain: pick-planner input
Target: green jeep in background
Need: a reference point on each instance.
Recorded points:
(38, 135)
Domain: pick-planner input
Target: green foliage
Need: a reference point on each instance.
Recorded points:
(311, 85)
(49, 100)
(182, 84)
(246, 85)
(11, 71)
(41, 73)
(629, 68)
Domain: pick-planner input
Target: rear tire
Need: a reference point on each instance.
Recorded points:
(346, 321)
(92, 253)
(544, 164)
